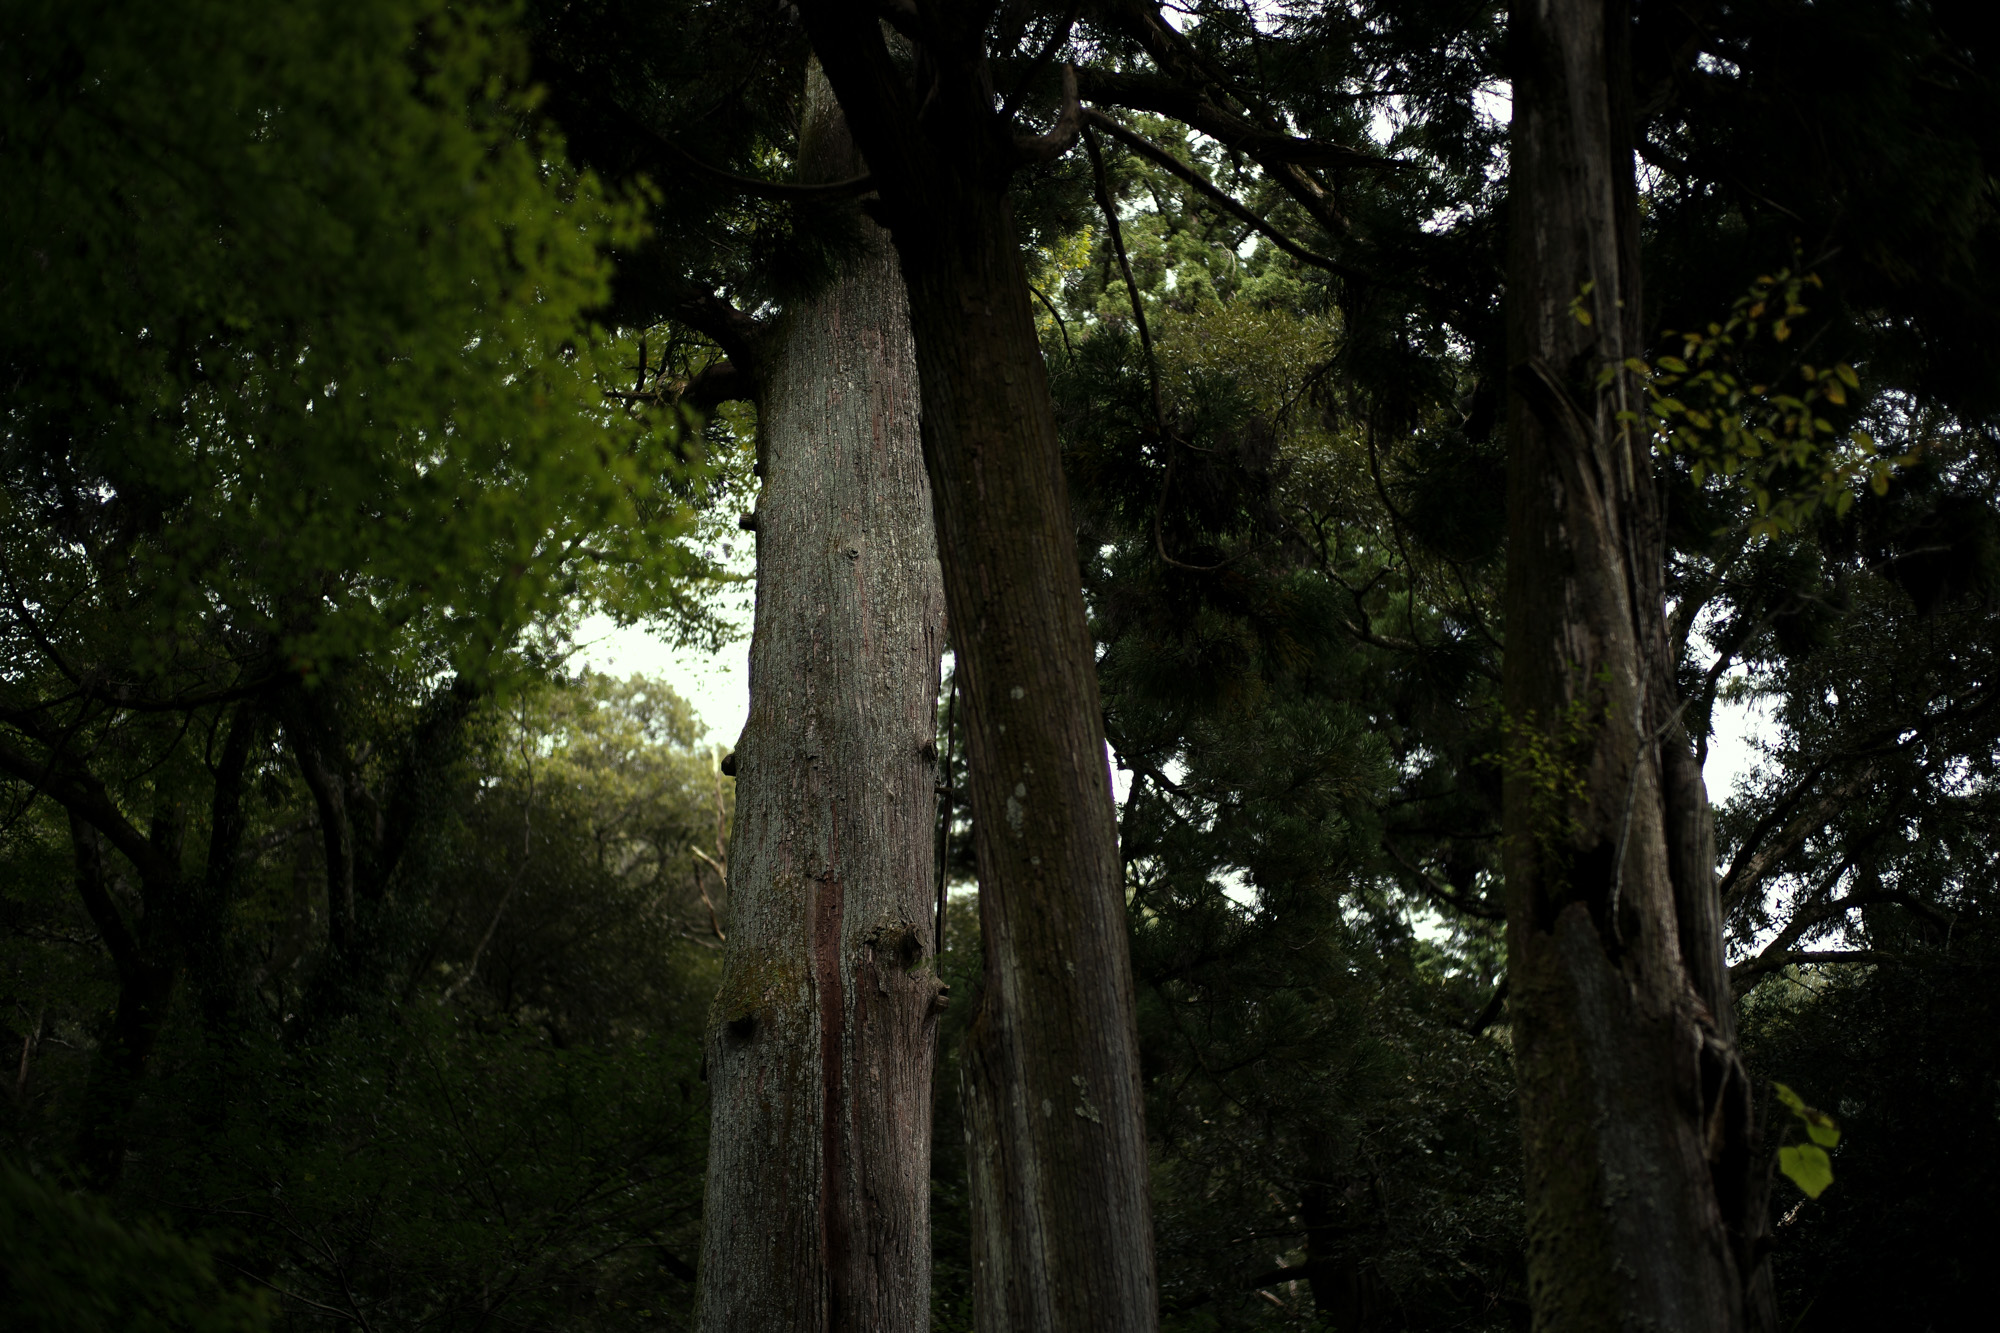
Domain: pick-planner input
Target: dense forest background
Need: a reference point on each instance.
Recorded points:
(355, 945)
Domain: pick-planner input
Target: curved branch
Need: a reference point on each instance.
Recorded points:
(1174, 166)
(740, 336)
(781, 191)
(1164, 97)
(1040, 58)
(80, 793)
(1062, 136)
(1442, 892)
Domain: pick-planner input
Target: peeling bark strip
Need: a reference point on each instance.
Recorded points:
(822, 1038)
(1645, 1204)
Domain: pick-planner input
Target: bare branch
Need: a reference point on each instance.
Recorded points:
(1165, 97)
(1062, 136)
(781, 191)
(1755, 861)
(1160, 157)
(1743, 974)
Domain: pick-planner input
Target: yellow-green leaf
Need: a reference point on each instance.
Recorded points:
(1808, 1167)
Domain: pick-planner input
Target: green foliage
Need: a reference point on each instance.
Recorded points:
(1807, 1164)
(499, 1116)
(1547, 763)
(68, 1266)
(1904, 1052)
(302, 314)
(1330, 1141)
(1774, 444)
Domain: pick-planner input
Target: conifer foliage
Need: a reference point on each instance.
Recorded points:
(1413, 437)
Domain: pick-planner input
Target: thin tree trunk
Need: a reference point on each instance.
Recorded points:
(1062, 1231)
(822, 1038)
(1643, 1209)
(148, 967)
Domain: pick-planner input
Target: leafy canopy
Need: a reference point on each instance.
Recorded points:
(296, 332)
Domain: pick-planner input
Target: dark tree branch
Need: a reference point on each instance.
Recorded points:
(717, 383)
(1040, 58)
(1204, 106)
(1756, 858)
(1743, 974)
(1056, 315)
(1173, 165)
(1110, 211)
(1443, 893)
(740, 336)
(1485, 1017)
(81, 794)
(329, 795)
(1062, 136)
(104, 914)
(1175, 101)
(781, 191)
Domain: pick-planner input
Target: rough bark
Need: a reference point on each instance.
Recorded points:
(1643, 1208)
(822, 1039)
(1062, 1235)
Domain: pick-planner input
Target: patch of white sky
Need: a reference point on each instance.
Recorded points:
(717, 685)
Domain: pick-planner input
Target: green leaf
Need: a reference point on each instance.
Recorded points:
(1791, 1100)
(1825, 1131)
(1808, 1167)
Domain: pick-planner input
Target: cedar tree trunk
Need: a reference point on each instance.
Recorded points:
(1062, 1234)
(1643, 1195)
(822, 1039)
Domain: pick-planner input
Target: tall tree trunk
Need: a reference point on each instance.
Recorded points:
(1643, 1204)
(822, 1039)
(148, 966)
(1062, 1233)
